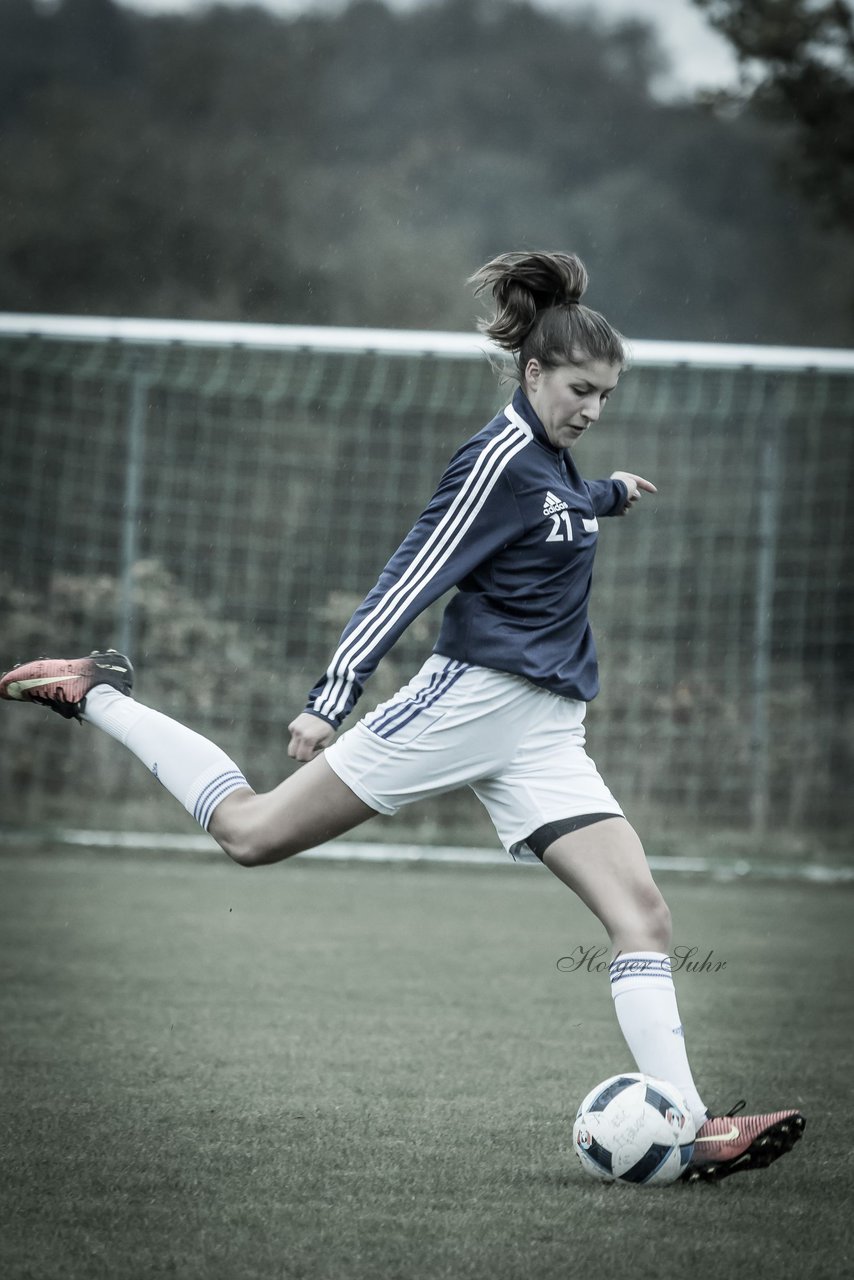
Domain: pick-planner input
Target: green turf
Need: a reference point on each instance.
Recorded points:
(340, 1072)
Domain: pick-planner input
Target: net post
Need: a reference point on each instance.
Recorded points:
(137, 406)
(768, 520)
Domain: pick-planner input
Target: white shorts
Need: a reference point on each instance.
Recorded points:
(519, 748)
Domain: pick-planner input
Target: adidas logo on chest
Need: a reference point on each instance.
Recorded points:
(553, 504)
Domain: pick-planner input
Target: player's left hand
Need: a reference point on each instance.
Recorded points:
(636, 485)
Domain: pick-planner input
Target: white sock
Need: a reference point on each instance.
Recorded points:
(195, 770)
(645, 1004)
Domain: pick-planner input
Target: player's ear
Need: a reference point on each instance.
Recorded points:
(533, 372)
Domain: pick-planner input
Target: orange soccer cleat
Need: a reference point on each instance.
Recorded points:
(732, 1143)
(62, 683)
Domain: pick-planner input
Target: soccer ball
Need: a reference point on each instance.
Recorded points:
(633, 1128)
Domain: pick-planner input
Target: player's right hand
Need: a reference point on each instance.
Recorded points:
(309, 736)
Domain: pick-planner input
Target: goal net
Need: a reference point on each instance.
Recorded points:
(217, 499)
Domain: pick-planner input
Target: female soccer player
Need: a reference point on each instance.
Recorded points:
(500, 704)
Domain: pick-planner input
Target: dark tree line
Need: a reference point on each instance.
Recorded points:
(356, 168)
(798, 70)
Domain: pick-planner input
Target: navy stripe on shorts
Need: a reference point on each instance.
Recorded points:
(394, 717)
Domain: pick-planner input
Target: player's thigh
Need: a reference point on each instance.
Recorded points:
(605, 865)
(549, 785)
(310, 807)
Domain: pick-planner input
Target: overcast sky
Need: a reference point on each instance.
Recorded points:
(700, 57)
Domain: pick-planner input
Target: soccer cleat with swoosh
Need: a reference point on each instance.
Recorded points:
(62, 683)
(734, 1143)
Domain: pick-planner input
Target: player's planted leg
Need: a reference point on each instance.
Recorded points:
(606, 866)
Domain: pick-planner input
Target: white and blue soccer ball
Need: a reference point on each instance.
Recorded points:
(633, 1128)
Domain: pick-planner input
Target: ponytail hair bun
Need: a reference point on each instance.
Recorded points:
(538, 311)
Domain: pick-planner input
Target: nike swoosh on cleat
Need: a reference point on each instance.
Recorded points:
(21, 685)
(105, 666)
(720, 1137)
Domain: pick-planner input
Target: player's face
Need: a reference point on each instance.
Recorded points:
(570, 398)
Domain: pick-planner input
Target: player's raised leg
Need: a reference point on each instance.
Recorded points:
(310, 807)
(606, 866)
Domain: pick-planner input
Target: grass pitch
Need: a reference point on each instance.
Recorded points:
(337, 1073)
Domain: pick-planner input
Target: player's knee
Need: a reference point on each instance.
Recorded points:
(247, 840)
(247, 851)
(644, 924)
(658, 922)
(243, 852)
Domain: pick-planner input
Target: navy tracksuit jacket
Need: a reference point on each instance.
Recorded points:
(513, 526)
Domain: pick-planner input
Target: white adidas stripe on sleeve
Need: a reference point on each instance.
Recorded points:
(424, 567)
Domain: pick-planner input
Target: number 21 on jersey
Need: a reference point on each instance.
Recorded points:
(561, 530)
